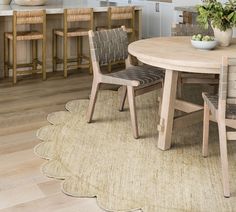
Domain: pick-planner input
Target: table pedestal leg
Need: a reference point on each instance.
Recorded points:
(167, 110)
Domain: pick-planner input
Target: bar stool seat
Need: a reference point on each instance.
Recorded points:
(25, 35)
(72, 32)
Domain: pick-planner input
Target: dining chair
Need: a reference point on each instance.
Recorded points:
(79, 15)
(26, 18)
(111, 46)
(222, 107)
(193, 78)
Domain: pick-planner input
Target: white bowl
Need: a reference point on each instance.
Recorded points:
(6, 2)
(30, 2)
(204, 45)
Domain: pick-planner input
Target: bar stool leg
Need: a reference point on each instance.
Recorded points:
(14, 61)
(44, 43)
(54, 51)
(44, 58)
(8, 55)
(34, 58)
(109, 67)
(79, 51)
(6, 58)
(65, 56)
(36, 54)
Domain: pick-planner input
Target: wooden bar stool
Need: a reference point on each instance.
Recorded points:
(72, 15)
(34, 17)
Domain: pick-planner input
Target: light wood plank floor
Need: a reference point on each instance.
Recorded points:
(23, 109)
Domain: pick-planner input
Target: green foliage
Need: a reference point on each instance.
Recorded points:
(221, 16)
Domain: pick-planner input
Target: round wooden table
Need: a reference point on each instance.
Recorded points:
(176, 54)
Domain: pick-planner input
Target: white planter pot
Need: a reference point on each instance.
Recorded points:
(223, 37)
(30, 2)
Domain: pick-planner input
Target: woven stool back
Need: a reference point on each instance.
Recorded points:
(29, 17)
(80, 14)
(121, 14)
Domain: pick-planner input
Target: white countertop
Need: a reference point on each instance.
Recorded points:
(57, 6)
(192, 9)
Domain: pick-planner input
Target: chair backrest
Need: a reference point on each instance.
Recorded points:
(121, 13)
(107, 46)
(189, 30)
(78, 15)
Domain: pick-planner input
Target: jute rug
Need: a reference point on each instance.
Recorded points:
(103, 160)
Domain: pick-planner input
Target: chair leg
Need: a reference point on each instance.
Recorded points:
(206, 121)
(123, 98)
(224, 157)
(90, 64)
(92, 101)
(132, 108)
(65, 56)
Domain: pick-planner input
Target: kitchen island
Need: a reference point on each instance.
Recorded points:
(54, 10)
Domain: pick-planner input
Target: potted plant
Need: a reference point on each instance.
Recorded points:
(222, 18)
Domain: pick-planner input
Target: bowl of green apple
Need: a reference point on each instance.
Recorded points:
(204, 42)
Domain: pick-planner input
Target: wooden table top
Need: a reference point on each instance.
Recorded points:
(177, 53)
